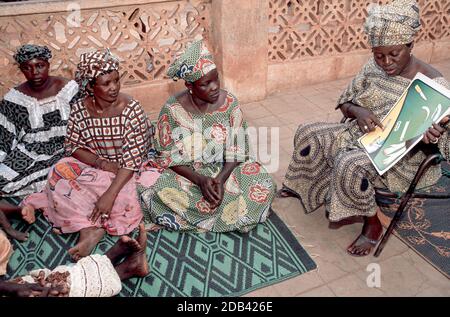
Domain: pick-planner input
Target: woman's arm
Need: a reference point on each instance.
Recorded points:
(365, 118)
(205, 183)
(222, 177)
(211, 188)
(226, 171)
(345, 107)
(26, 290)
(433, 133)
(89, 158)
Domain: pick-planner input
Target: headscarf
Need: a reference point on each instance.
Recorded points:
(392, 24)
(193, 64)
(93, 65)
(29, 51)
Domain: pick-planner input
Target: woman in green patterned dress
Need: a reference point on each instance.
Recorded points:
(211, 183)
(328, 166)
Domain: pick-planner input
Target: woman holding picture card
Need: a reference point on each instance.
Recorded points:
(329, 167)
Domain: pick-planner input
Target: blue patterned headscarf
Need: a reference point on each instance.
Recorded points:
(193, 64)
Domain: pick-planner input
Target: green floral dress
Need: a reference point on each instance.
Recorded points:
(203, 143)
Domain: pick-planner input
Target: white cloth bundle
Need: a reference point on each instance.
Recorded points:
(92, 276)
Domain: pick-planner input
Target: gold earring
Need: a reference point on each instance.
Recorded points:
(190, 91)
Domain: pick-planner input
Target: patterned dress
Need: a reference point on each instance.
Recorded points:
(329, 168)
(31, 138)
(74, 187)
(201, 142)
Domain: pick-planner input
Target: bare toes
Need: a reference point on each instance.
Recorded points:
(73, 251)
(28, 214)
(125, 239)
(135, 245)
(22, 237)
(56, 231)
(142, 238)
(76, 256)
(26, 236)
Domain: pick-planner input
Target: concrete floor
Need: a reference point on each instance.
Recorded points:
(403, 272)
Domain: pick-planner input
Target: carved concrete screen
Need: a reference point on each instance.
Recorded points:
(146, 37)
(307, 28)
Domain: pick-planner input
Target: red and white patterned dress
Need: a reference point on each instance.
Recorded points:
(73, 187)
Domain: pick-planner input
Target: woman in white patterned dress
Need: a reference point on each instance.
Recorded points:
(33, 120)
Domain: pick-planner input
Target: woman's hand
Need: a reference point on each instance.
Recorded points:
(219, 186)
(433, 133)
(208, 188)
(222, 177)
(365, 118)
(112, 167)
(103, 207)
(28, 290)
(444, 121)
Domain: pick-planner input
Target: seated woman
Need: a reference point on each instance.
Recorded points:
(33, 120)
(329, 167)
(211, 183)
(93, 191)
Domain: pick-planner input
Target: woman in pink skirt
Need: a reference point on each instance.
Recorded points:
(93, 190)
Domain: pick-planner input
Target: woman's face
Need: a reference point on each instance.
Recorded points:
(107, 86)
(35, 71)
(207, 88)
(392, 59)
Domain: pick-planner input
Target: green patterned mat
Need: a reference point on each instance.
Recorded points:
(183, 264)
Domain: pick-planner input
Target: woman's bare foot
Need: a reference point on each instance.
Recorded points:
(28, 214)
(135, 265)
(56, 231)
(123, 247)
(89, 237)
(18, 235)
(368, 238)
(9, 230)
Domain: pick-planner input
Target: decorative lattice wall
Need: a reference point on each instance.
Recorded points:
(300, 29)
(145, 37)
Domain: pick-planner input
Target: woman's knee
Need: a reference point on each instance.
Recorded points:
(305, 137)
(352, 168)
(305, 131)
